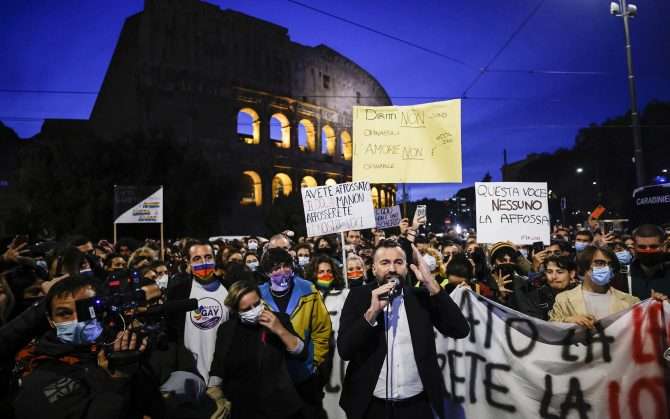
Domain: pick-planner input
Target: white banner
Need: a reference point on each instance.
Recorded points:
(335, 208)
(515, 366)
(388, 217)
(512, 211)
(148, 210)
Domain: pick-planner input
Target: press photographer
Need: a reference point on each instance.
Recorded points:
(69, 372)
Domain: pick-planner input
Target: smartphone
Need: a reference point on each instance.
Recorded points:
(538, 247)
(607, 227)
(419, 213)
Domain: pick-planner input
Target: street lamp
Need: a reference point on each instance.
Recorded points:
(579, 170)
(621, 9)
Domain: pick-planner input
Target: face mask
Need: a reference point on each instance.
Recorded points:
(86, 272)
(280, 282)
(524, 253)
(430, 261)
(601, 276)
(203, 271)
(253, 265)
(303, 260)
(251, 316)
(162, 281)
(324, 280)
(650, 258)
(252, 246)
(580, 246)
(624, 257)
(352, 275)
(78, 333)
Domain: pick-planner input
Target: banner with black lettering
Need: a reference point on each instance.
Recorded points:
(515, 366)
(138, 204)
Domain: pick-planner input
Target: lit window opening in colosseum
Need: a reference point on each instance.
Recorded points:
(248, 126)
(280, 130)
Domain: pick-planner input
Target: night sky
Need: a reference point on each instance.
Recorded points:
(67, 46)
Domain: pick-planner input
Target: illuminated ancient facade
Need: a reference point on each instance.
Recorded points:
(270, 111)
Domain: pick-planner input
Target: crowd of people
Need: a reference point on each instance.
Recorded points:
(111, 330)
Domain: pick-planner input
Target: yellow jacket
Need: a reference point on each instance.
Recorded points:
(310, 320)
(571, 303)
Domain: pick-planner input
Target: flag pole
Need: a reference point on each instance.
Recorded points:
(344, 261)
(162, 244)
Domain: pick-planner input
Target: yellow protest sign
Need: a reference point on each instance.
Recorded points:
(408, 144)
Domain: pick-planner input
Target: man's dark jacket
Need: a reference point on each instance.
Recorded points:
(364, 346)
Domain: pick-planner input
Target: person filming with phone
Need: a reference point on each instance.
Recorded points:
(386, 332)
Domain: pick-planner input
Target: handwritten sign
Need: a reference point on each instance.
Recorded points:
(336, 208)
(388, 217)
(512, 211)
(419, 143)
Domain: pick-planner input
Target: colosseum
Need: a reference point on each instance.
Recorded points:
(276, 113)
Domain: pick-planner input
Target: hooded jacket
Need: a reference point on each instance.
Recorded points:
(310, 320)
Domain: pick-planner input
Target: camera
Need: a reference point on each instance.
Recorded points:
(130, 306)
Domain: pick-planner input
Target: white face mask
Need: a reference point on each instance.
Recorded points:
(430, 261)
(252, 316)
(303, 260)
(162, 281)
(252, 246)
(253, 265)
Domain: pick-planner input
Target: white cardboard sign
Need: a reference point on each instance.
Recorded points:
(336, 208)
(512, 211)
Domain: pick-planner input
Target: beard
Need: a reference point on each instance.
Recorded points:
(398, 278)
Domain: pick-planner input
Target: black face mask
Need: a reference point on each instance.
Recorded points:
(651, 258)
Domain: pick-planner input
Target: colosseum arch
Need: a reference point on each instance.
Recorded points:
(375, 197)
(308, 182)
(281, 184)
(347, 145)
(252, 189)
(306, 136)
(249, 126)
(280, 130)
(328, 140)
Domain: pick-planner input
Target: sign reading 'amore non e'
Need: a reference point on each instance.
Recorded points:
(417, 143)
(335, 208)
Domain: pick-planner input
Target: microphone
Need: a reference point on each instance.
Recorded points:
(394, 291)
(169, 307)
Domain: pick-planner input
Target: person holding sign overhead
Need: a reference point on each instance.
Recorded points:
(390, 369)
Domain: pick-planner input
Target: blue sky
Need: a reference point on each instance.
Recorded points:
(67, 45)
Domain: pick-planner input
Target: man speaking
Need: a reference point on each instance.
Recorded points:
(386, 332)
